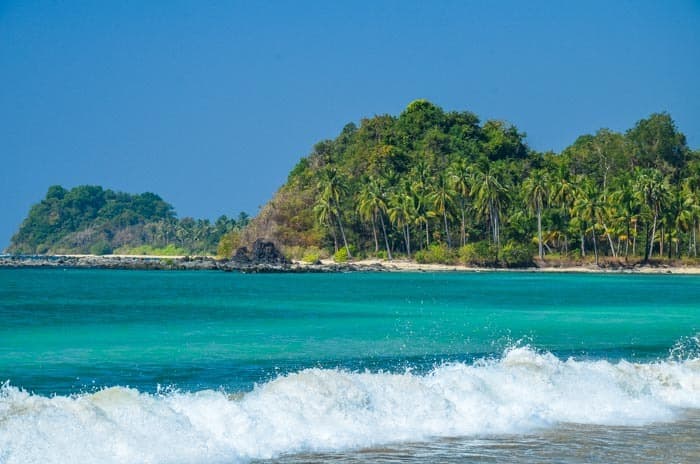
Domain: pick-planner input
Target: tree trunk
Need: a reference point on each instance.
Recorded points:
(447, 230)
(342, 232)
(612, 247)
(627, 242)
(595, 247)
(386, 239)
(335, 239)
(407, 235)
(374, 231)
(583, 245)
(653, 234)
(464, 228)
(539, 231)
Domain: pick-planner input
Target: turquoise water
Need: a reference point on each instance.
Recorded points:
(215, 351)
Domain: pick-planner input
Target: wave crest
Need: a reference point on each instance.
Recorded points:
(327, 409)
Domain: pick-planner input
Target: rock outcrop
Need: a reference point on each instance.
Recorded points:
(264, 253)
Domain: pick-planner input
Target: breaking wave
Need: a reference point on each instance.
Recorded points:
(329, 409)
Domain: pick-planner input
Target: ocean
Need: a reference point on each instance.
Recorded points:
(106, 366)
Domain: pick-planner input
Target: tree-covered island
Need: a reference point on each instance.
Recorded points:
(439, 186)
(90, 219)
(429, 185)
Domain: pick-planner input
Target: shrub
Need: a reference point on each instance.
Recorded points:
(311, 258)
(381, 254)
(101, 248)
(478, 254)
(516, 255)
(436, 254)
(341, 255)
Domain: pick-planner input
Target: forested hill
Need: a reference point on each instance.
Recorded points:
(444, 186)
(90, 219)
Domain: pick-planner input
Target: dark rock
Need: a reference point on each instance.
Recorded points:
(263, 254)
(266, 253)
(241, 256)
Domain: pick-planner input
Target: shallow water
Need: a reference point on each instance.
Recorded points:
(129, 366)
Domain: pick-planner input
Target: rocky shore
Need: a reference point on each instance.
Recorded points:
(185, 263)
(262, 258)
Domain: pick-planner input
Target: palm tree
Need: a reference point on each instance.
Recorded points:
(442, 198)
(401, 212)
(626, 207)
(651, 190)
(371, 204)
(689, 215)
(489, 198)
(587, 210)
(324, 211)
(462, 182)
(562, 195)
(537, 190)
(332, 187)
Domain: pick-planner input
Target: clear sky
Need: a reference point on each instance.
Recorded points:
(210, 104)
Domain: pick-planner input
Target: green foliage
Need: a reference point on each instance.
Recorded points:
(342, 255)
(311, 257)
(228, 244)
(147, 250)
(516, 255)
(90, 219)
(436, 253)
(435, 180)
(101, 248)
(480, 253)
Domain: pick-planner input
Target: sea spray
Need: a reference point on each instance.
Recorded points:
(327, 409)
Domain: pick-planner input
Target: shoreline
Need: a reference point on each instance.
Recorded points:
(151, 262)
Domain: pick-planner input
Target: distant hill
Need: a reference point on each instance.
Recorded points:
(90, 219)
(446, 187)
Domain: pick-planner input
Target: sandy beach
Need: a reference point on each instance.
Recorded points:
(404, 265)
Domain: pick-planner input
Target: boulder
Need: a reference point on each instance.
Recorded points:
(263, 253)
(266, 253)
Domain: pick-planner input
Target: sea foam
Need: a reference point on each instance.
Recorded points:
(326, 409)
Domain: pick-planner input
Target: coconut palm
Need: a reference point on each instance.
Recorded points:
(587, 210)
(371, 204)
(401, 213)
(462, 179)
(651, 190)
(536, 189)
(332, 187)
(442, 197)
(490, 197)
(324, 211)
(626, 209)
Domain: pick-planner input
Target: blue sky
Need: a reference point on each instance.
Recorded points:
(210, 104)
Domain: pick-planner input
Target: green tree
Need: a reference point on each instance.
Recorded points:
(536, 189)
(332, 188)
(490, 196)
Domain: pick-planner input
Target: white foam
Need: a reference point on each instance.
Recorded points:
(320, 409)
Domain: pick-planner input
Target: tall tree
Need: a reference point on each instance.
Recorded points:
(490, 197)
(536, 190)
(332, 188)
(442, 197)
